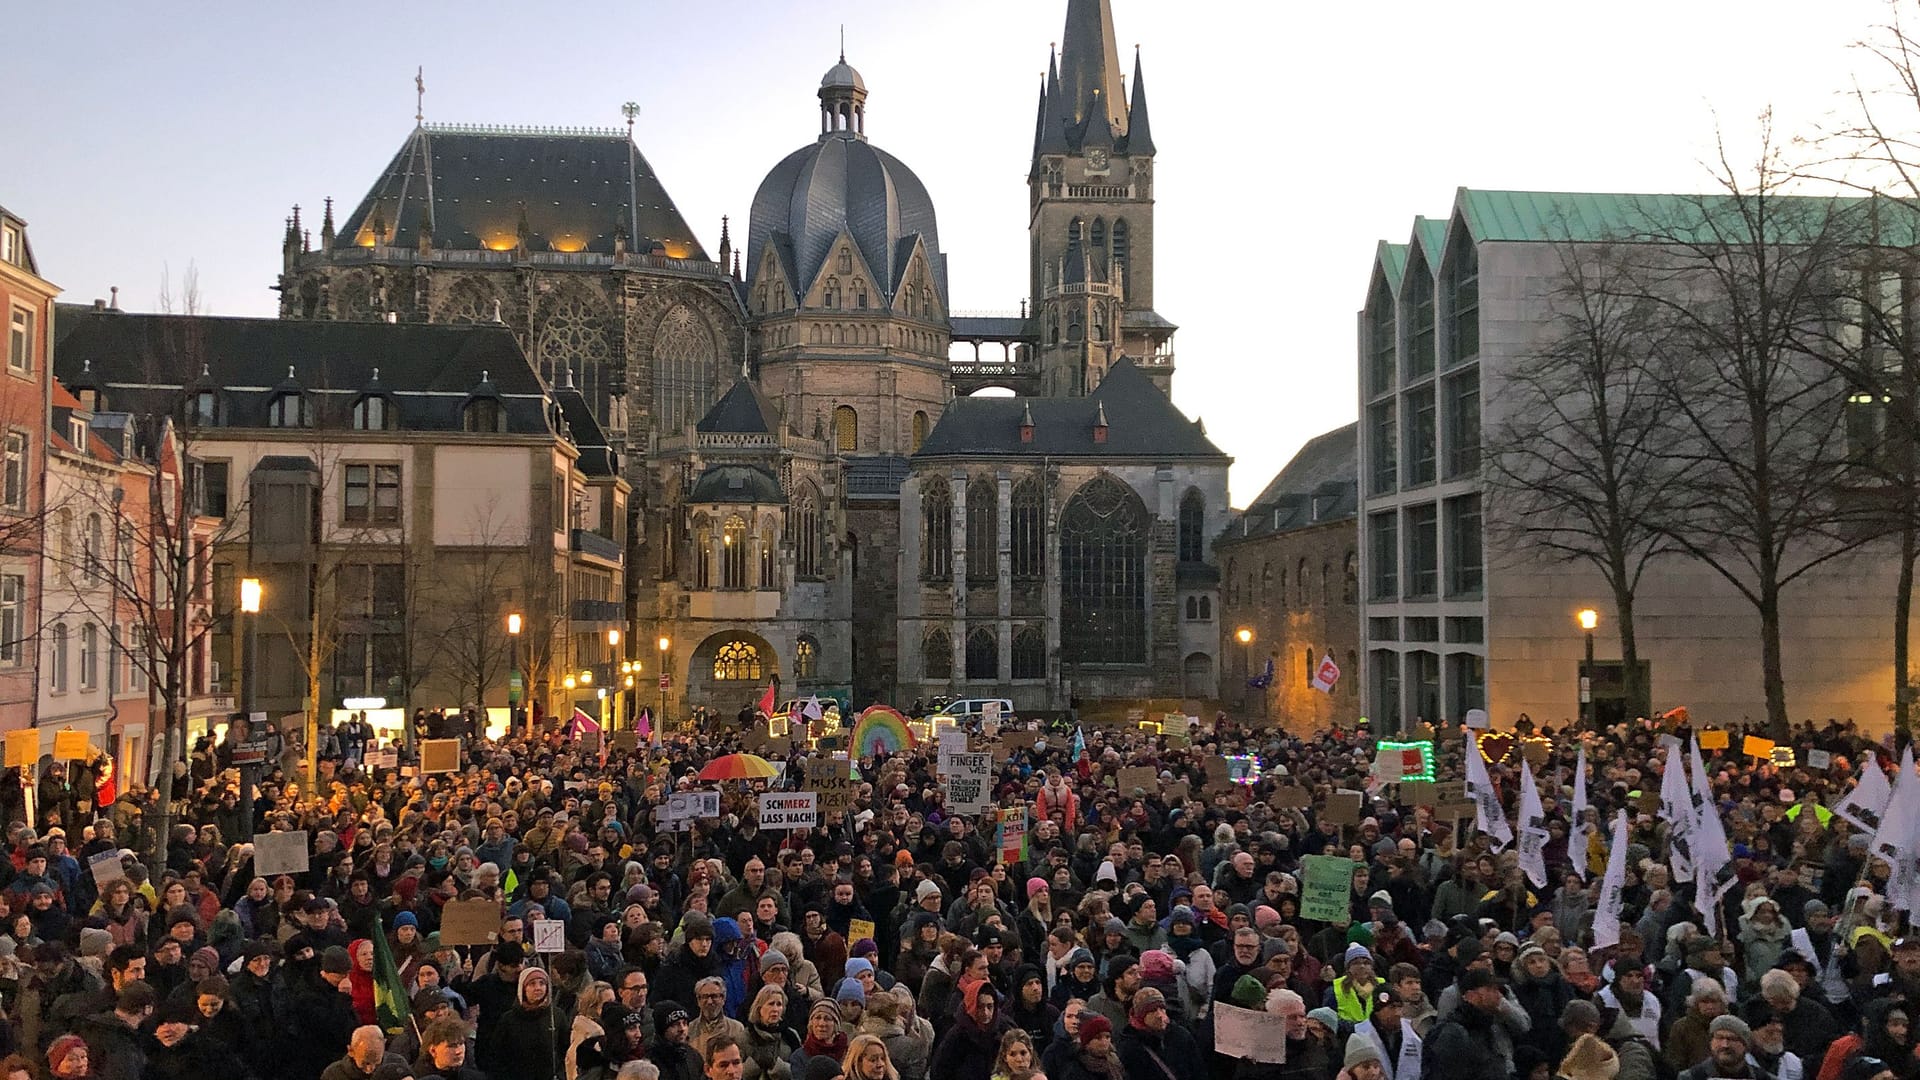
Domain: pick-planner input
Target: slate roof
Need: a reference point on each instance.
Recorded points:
(144, 361)
(1320, 484)
(577, 187)
(596, 454)
(737, 484)
(1142, 422)
(742, 410)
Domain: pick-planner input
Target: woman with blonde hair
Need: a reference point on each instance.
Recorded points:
(586, 1021)
(867, 1059)
(1016, 1059)
(769, 1043)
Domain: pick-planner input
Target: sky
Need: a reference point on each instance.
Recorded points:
(1291, 137)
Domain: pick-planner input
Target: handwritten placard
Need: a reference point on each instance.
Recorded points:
(71, 746)
(832, 781)
(1249, 1034)
(969, 782)
(549, 936)
(1291, 798)
(1137, 778)
(859, 930)
(280, 853)
(470, 922)
(1342, 808)
(23, 747)
(1326, 882)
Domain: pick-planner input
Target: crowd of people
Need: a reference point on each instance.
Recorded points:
(901, 940)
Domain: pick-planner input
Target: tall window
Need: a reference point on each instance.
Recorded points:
(1384, 667)
(13, 485)
(919, 430)
(289, 410)
(1466, 569)
(1467, 683)
(89, 656)
(372, 413)
(1417, 301)
(806, 658)
(983, 531)
(1103, 592)
(1030, 654)
(57, 657)
(936, 531)
(1193, 518)
(372, 495)
(1420, 448)
(846, 429)
(1462, 286)
(20, 341)
(1383, 448)
(736, 661)
(766, 555)
(983, 656)
(203, 408)
(936, 656)
(703, 557)
(733, 554)
(93, 549)
(1462, 430)
(1380, 339)
(1302, 583)
(684, 357)
(1122, 256)
(805, 531)
(1029, 541)
(13, 618)
(1350, 583)
(213, 487)
(1383, 556)
(1099, 236)
(1423, 551)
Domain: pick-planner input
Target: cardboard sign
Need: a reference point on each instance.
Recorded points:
(1019, 740)
(1819, 759)
(1326, 882)
(1752, 746)
(549, 936)
(789, 809)
(279, 853)
(1295, 798)
(23, 748)
(1142, 778)
(1178, 742)
(71, 746)
(1449, 791)
(1536, 751)
(1219, 774)
(832, 781)
(969, 783)
(1177, 792)
(1342, 808)
(589, 742)
(470, 922)
(106, 868)
(1249, 1034)
(1420, 793)
(1454, 811)
(1713, 740)
(439, 756)
(624, 740)
(1476, 720)
(859, 930)
(1013, 835)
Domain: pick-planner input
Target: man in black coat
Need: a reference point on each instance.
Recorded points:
(1153, 1047)
(1461, 1046)
(675, 1058)
(319, 1018)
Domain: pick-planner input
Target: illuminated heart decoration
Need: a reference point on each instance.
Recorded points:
(1495, 747)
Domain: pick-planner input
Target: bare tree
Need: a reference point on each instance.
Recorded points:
(1578, 455)
(467, 607)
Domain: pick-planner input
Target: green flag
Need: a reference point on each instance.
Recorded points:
(390, 1006)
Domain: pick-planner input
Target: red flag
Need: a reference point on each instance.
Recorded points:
(766, 705)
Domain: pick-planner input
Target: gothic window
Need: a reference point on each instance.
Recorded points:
(1103, 592)
(846, 429)
(1193, 609)
(919, 430)
(469, 301)
(1326, 580)
(860, 293)
(1266, 583)
(1193, 516)
(1029, 654)
(805, 532)
(831, 294)
(353, 298)
(683, 369)
(936, 531)
(1206, 609)
(766, 555)
(1099, 323)
(1302, 585)
(733, 554)
(1074, 332)
(1099, 236)
(936, 656)
(575, 337)
(669, 544)
(736, 661)
(1350, 588)
(1053, 328)
(983, 656)
(1028, 538)
(983, 532)
(1233, 582)
(1074, 230)
(703, 556)
(1121, 250)
(806, 658)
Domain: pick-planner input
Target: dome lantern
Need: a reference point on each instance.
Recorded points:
(843, 101)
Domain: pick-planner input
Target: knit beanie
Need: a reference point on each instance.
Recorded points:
(850, 990)
(1732, 1024)
(63, 1046)
(1092, 1026)
(772, 958)
(1249, 993)
(1145, 1000)
(1326, 1017)
(1360, 1050)
(1156, 965)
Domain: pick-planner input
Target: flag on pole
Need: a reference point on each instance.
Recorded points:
(1606, 916)
(1711, 852)
(1676, 806)
(581, 723)
(644, 725)
(1327, 674)
(767, 704)
(1488, 817)
(1264, 679)
(1581, 826)
(391, 1009)
(1079, 744)
(811, 710)
(1898, 832)
(1533, 829)
(1865, 804)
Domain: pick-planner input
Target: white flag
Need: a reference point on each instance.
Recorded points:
(1488, 817)
(1533, 829)
(1581, 826)
(811, 710)
(1676, 806)
(1710, 850)
(1868, 799)
(1606, 917)
(1895, 839)
(1326, 675)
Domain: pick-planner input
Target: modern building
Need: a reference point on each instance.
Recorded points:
(27, 302)
(1453, 618)
(1291, 582)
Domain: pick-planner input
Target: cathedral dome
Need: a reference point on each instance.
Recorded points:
(842, 76)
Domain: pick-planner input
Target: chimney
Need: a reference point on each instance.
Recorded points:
(1026, 424)
(1100, 425)
(114, 292)
(99, 304)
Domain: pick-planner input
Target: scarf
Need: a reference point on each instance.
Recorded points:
(1105, 1065)
(1183, 947)
(835, 1048)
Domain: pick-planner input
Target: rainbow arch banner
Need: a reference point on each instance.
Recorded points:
(881, 730)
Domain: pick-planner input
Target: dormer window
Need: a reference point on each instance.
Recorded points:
(373, 412)
(484, 415)
(289, 409)
(77, 433)
(203, 408)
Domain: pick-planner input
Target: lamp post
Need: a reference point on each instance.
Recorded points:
(613, 662)
(666, 677)
(1589, 619)
(513, 672)
(250, 591)
(1244, 636)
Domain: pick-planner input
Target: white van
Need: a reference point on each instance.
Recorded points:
(968, 712)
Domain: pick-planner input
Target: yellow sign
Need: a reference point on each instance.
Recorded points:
(71, 746)
(1713, 740)
(1755, 746)
(859, 930)
(23, 747)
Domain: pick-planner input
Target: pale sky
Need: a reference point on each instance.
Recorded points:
(1291, 136)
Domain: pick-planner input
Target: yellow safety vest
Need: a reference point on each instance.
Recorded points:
(1351, 1006)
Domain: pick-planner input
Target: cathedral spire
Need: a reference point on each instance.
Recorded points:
(1090, 65)
(1139, 132)
(1055, 114)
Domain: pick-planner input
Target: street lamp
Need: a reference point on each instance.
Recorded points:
(1589, 619)
(1244, 636)
(586, 676)
(513, 670)
(250, 591)
(666, 675)
(569, 682)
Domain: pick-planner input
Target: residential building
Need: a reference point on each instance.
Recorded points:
(26, 303)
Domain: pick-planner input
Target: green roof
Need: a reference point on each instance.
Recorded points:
(1549, 216)
(1392, 260)
(1431, 235)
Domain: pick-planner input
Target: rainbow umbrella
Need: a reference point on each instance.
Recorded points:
(739, 767)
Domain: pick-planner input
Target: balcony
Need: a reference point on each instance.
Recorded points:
(596, 611)
(584, 542)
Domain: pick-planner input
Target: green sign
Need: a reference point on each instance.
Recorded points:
(1326, 885)
(514, 689)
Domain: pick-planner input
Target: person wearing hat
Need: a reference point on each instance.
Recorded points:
(1094, 1057)
(670, 1053)
(1816, 939)
(319, 1018)
(1079, 978)
(1769, 1047)
(969, 1047)
(1152, 1046)
(1628, 996)
(1351, 994)
(1036, 919)
(1392, 1034)
(1468, 1043)
(1116, 995)
(1363, 1059)
(1705, 958)
(1590, 1058)
(1728, 1041)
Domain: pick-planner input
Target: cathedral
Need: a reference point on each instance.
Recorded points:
(822, 492)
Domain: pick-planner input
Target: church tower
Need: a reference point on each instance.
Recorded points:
(1091, 215)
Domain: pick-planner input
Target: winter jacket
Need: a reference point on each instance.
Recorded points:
(967, 1050)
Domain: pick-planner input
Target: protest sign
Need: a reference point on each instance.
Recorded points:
(1243, 768)
(1142, 778)
(1755, 746)
(859, 930)
(1294, 798)
(23, 747)
(71, 746)
(1018, 740)
(1819, 759)
(692, 805)
(106, 868)
(280, 853)
(439, 756)
(1326, 882)
(1420, 793)
(589, 742)
(470, 922)
(1013, 835)
(789, 809)
(832, 781)
(969, 782)
(549, 936)
(1713, 740)
(623, 740)
(1342, 808)
(1219, 774)
(1177, 793)
(1249, 1034)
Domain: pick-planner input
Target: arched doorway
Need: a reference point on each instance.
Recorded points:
(1198, 676)
(730, 669)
